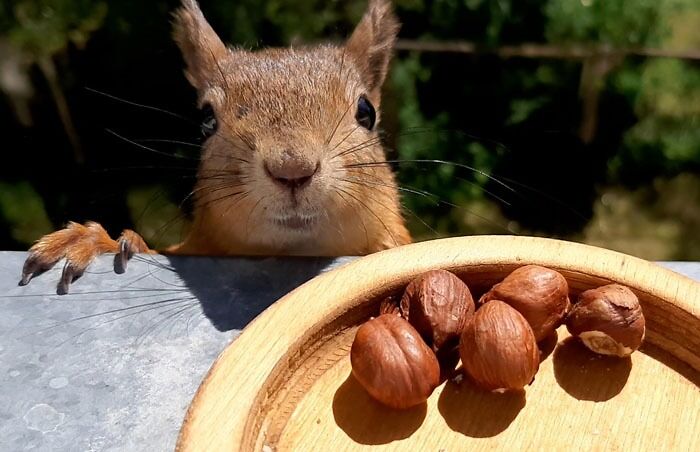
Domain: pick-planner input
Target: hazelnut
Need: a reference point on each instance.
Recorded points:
(498, 348)
(608, 320)
(389, 305)
(438, 304)
(391, 361)
(541, 295)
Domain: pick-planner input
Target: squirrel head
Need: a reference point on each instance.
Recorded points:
(286, 127)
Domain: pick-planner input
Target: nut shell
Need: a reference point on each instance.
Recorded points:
(391, 361)
(541, 295)
(608, 320)
(389, 305)
(498, 348)
(438, 304)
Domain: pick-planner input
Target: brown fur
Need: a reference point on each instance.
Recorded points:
(282, 113)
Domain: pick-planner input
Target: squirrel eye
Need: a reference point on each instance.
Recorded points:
(209, 123)
(365, 116)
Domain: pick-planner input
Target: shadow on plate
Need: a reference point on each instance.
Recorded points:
(473, 412)
(367, 421)
(547, 345)
(586, 375)
(668, 360)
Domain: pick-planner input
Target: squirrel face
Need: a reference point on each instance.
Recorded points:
(286, 127)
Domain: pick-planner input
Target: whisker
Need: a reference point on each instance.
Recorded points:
(162, 323)
(335, 129)
(212, 189)
(148, 205)
(343, 141)
(136, 104)
(151, 274)
(193, 169)
(250, 214)
(162, 229)
(371, 212)
(111, 311)
(473, 184)
(400, 188)
(163, 140)
(547, 196)
(98, 292)
(147, 148)
(131, 314)
(438, 201)
(136, 143)
(243, 195)
(210, 202)
(150, 259)
(364, 226)
(432, 161)
(358, 147)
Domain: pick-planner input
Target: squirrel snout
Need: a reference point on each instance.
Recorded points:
(292, 173)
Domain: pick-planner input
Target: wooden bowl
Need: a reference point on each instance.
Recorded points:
(285, 383)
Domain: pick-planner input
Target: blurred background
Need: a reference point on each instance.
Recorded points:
(581, 117)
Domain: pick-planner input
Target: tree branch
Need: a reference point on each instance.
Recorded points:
(530, 50)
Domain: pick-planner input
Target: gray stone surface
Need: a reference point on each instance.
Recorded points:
(690, 269)
(114, 365)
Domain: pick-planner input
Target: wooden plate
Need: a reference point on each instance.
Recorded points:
(285, 383)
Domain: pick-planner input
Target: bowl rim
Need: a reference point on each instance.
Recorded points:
(324, 300)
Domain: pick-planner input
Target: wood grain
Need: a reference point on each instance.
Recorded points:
(284, 382)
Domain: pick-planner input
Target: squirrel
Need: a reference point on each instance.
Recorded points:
(287, 164)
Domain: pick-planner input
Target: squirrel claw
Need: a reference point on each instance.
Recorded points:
(121, 259)
(129, 243)
(79, 245)
(70, 274)
(34, 266)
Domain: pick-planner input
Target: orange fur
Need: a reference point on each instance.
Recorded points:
(79, 245)
(285, 173)
(293, 106)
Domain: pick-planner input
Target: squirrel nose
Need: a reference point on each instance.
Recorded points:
(291, 173)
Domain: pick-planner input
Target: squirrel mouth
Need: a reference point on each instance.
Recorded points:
(297, 222)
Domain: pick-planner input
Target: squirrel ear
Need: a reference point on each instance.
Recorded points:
(372, 43)
(200, 45)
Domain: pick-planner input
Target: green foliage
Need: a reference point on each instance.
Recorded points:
(663, 93)
(22, 208)
(665, 96)
(668, 108)
(46, 27)
(617, 22)
(285, 20)
(456, 108)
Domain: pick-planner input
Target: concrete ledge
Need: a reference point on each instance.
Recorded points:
(114, 364)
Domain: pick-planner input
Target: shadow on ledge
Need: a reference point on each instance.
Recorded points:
(232, 292)
(369, 422)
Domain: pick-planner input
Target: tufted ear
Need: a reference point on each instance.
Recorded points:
(201, 47)
(372, 43)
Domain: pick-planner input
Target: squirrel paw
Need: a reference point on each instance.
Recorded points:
(79, 244)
